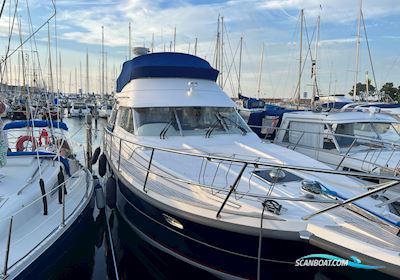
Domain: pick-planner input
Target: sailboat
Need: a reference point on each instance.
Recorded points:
(44, 194)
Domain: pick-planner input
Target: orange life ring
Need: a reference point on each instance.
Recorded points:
(21, 141)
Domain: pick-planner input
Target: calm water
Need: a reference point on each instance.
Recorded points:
(91, 257)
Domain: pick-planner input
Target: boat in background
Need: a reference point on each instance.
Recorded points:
(18, 112)
(79, 109)
(351, 141)
(384, 108)
(188, 175)
(105, 111)
(334, 102)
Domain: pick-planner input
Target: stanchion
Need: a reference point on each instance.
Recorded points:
(88, 121)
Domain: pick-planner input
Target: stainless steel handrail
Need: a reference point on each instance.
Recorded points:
(212, 188)
(350, 200)
(259, 163)
(384, 144)
(330, 134)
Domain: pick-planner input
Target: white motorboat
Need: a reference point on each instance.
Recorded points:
(188, 175)
(44, 196)
(351, 141)
(357, 141)
(392, 109)
(79, 109)
(105, 111)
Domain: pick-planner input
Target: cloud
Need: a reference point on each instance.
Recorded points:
(392, 37)
(271, 22)
(341, 11)
(337, 41)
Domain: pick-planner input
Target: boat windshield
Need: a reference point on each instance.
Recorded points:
(187, 121)
(373, 130)
(80, 106)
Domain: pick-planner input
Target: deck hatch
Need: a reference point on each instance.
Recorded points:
(265, 175)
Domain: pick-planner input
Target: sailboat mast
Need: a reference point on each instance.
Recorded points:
(87, 71)
(195, 46)
(152, 43)
(76, 81)
(80, 76)
(367, 86)
(106, 75)
(357, 52)
(102, 62)
(314, 64)
(130, 43)
(222, 53)
(51, 84)
(70, 82)
(59, 73)
(240, 65)
(217, 51)
(174, 38)
(300, 57)
(259, 77)
(56, 45)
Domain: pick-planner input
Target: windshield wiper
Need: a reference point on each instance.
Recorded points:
(165, 129)
(242, 129)
(211, 129)
(214, 125)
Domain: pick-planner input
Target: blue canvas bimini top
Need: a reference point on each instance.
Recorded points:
(165, 65)
(35, 123)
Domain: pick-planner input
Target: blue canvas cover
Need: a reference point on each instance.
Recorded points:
(251, 103)
(35, 123)
(165, 65)
(272, 107)
(255, 119)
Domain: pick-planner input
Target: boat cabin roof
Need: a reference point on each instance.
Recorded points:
(173, 92)
(341, 117)
(165, 65)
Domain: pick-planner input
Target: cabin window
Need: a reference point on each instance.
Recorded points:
(113, 117)
(387, 131)
(269, 125)
(186, 121)
(365, 133)
(305, 134)
(156, 121)
(329, 143)
(341, 130)
(125, 119)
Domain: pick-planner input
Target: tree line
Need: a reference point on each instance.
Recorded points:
(387, 90)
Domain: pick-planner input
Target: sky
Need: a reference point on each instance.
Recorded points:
(76, 29)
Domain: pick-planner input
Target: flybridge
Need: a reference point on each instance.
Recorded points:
(165, 65)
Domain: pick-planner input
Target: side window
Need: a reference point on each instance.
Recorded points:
(328, 138)
(125, 119)
(113, 117)
(305, 134)
(342, 130)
